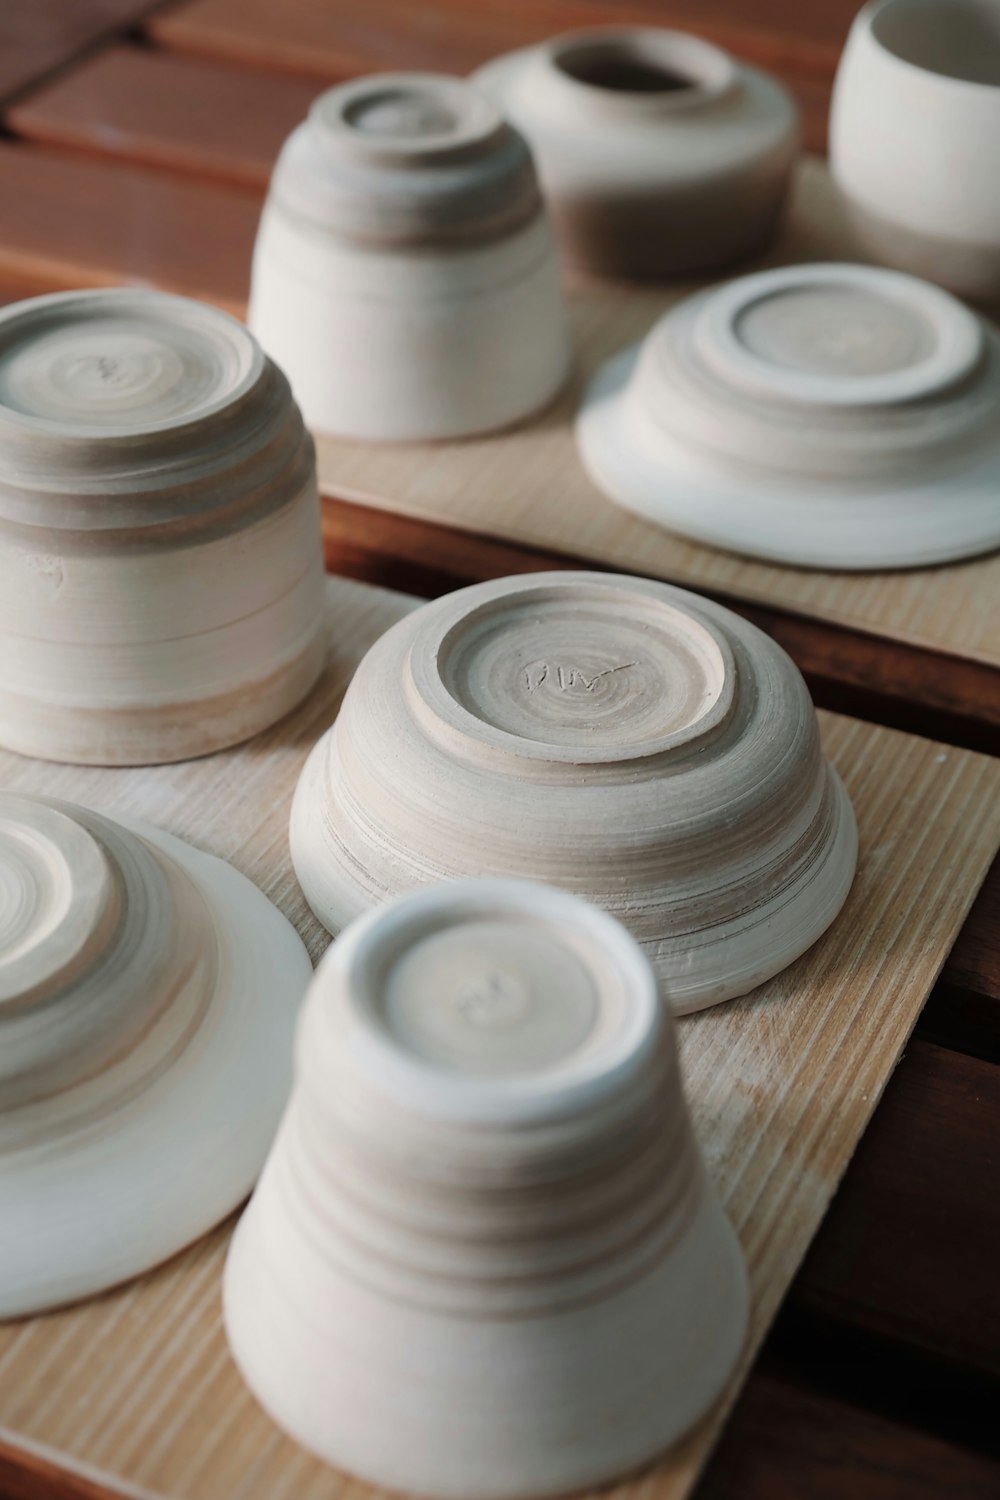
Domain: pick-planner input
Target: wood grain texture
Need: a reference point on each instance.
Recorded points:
(906, 687)
(69, 222)
(38, 37)
(138, 1384)
(335, 37)
(164, 110)
(529, 488)
(209, 117)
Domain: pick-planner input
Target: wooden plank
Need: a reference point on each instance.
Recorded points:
(40, 36)
(974, 962)
(337, 38)
(528, 487)
(138, 1385)
(160, 109)
(70, 222)
(906, 687)
(207, 117)
(785, 1443)
(910, 1247)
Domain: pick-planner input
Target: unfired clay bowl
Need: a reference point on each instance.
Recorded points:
(148, 995)
(833, 416)
(915, 138)
(657, 152)
(484, 1260)
(405, 275)
(161, 562)
(628, 741)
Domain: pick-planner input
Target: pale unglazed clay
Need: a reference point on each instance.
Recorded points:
(148, 996)
(657, 152)
(915, 138)
(628, 741)
(831, 416)
(405, 276)
(161, 565)
(484, 1259)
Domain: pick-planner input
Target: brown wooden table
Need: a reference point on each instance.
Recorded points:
(138, 141)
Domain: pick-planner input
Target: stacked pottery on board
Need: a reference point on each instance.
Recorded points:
(484, 1258)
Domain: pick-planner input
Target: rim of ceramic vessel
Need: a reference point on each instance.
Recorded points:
(405, 119)
(629, 1019)
(957, 333)
(890, 23)
(24, 322)
(62, 859)
(670, 70)
(459, 619)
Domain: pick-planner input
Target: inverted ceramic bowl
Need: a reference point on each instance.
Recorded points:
(161, 562)
(833, 416)
(915, 138)
(148, 994)
(483, 1260)
(657, 152)
(628, 741)
(405, 275)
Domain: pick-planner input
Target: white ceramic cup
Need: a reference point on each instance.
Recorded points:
(484, 1259)
(405, 276)
(915, 138)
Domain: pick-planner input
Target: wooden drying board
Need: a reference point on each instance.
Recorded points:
(527, 485)
(135, 1389)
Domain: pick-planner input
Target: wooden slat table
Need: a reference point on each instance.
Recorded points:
(139, 143)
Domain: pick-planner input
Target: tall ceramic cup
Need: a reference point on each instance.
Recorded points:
(405, 276)
(485, 1259)
(915, 138)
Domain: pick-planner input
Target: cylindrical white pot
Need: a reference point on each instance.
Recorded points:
(161, 567)
(657, 152)
(484, 1259)
(915, 138)
(405, 275)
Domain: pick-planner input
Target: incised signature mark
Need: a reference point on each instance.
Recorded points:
(566, 678)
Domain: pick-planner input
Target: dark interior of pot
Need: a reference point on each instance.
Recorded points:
(622, 66)
(954, 38)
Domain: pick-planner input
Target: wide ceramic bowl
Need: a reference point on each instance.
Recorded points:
(628, 741)
(161, 558)
(405, 276)
(915, 138)
(148, 994)
(484, 1260)
(831, 416)
(657, 152)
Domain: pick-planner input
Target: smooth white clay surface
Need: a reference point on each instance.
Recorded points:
(829, 416)
(657, 152)
(915, 138)
(148, 995)
(161, 566)
(405, 275)
(631, 742)
(484, 1259)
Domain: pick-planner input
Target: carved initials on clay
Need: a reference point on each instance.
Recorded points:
(566, 678)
